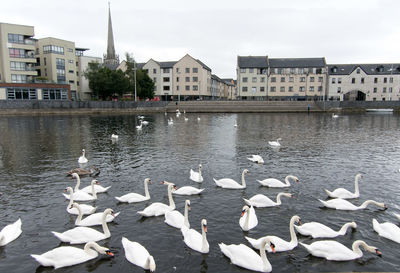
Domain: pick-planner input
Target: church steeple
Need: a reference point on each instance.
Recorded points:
(111, 60)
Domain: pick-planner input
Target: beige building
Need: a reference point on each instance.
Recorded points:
(364, 82)
(192, 79)
(17, 53)
(162, 74)
(82, 84)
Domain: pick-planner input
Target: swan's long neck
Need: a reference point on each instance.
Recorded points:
(246, 220)
(79, 218)
(293, 237)
(93, 191)
(203, 240)
(186, 217)
(287, 180)
(146, 189)
(106, 231)
(171, 200)
(356, 190)
(278, 198)
(264, 259)
(366, 203)
(88, 249)
(243, 181)
(199, 171)
(71, 197)
(356, 247)
(344, 228)
(78, 183)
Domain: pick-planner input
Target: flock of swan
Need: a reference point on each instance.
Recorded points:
(239, 254)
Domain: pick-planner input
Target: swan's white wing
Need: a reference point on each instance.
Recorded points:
(174, 218)
(135, 253)
(63, 256)
(86, 209)
(330, 250)
(97, 189)
(132, 198)
(339, 204)
(228, 183)
(387, 230)
(155, 209)
(187, 190)
(342, 193)
(243, 256)
(80, 235)
(97, 219)
(273, 183)
(262, 201)
(11, 232)
(316, 230)
(195, 176)
(80, 196)
(192, 239)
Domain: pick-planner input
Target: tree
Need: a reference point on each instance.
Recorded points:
(144, 85)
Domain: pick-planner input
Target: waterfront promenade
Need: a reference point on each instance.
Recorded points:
(28, 107)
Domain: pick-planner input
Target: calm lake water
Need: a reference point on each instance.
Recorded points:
(36, 152)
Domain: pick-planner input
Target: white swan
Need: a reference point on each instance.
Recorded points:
(198, 118)
(334, 115)
(114, 137)
(81, 235)
(256, 158)
(82, 159)
(345, 194)
(170, 121)
(97, 188)
(187, 190)
(88, 189)
(68, 255)
(196, 176)
(318, 230)
(135, 197)
(280, 244)
(175, 219)
(342, 204)
(93, 219)
(186, 119)
(145, 122)
(275, 183)
(334, 251)
(387, 230)
(80, 195)
(86, 209)
(228, 183)
(195, 240)
(140, 117)
(10, 232)
(139, 127)
(243, 256)
(262, 201)
(157, 209)
(248, 219)
(138, 255)
(275, 143)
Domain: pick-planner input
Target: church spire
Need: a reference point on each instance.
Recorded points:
(111, 60)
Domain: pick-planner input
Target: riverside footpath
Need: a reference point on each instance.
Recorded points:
(41, 107)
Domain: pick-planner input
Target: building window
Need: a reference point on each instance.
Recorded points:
(15, 38)
(18, 66)
(251, 70)
(195, 79)
(187, 79)
(375, 90)
(301, 70)
(70, 50)
(282, 89)
(302, 88)
(177, 88)
(302, 79)
(358, 70)
(273, 79)
(165, 79)
(385, 80)
(71, 61)
(384, 90)
(291, 79)
(165, 70)
(177, 70)
(391, 79)
(281, 71)
(320, 79)
(290, 89)
(339, 80)
(375, 80)
(362, 80)
(244, 79)
(353, 80)
(53, 49)
(292, 70)
(254, 79)
(282, 79)
(311, 89)
(333, 80)
(319, 88)
(390, 89)
(244, 89)
(339, 89)
(21, 94)
(262, 89)
(154, 71)
(195, 87)
(55, 94)
(242, 70)
(187, 87)
(195, 70)
(187, 70)
(18, 78)
(312, 79)
(273, 89)
(177, 79)
(60, 63)
(166, 88)
(16, 53)
(71, 82)
(262, 79)
(154, 80)
(254, 89)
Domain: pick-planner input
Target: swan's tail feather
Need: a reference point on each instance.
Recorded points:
(120, 199)
(216, 181)
(252, 241)
(247, 201)
(224, 249)
(375, 225)
(116, 214)
(106, 188)
(323, 202)
(329, 193)
(305, 246)
(61, 237)
(42, 260)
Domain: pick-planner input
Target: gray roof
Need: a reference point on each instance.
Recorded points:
(167, 64)
(296, 62)
(229, 81)
(204, 66)
(369, 69)
(140, 65)
(253, 61)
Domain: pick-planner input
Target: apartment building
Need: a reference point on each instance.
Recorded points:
(162, 75)
(229, 89)
(192, 79)
(82, 64)
(365, 82)
(252, 77)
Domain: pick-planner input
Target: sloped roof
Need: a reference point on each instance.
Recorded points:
(296, 62)
(369, 69)
(253, 61)
(167, 64)
(203, 65)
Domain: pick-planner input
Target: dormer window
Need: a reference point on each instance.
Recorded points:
(358, 70)
(334, 69)
(379, 68)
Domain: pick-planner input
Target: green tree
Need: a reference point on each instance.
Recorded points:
(144, 85)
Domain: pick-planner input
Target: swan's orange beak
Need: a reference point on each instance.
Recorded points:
(162, 182)
(175, 187)
(272, 247)
(109, 253)
(205, 228)
(65, 190)
(385, 207)
(243, 212)
(297, 180)
(378, 252)
(188, 207)
(97, 182)
(299, 222)
(150, 181)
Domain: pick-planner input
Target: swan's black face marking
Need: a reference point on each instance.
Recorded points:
(175, 188)
(109, 253)
(205, 228)
(65, 190)
(272, 247)
(243, 212)
(385, 207)
(299, 221)
(72, 205)
(96, 182)
(378, 252)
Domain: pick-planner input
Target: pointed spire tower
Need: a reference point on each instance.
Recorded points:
(111, 60)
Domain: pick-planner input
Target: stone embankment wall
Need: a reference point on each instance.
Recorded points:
(24, 107)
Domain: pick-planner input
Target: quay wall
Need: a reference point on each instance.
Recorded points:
(13, 107)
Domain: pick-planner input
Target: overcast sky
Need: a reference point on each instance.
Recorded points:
(216, 32)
